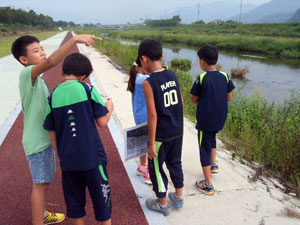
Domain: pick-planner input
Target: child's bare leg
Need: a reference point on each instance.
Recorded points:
(206, 171)
(213, 155)
(106, 222)
(178, 192)
(38, 197)
(163, 201)
(143, 159)
(78, 221)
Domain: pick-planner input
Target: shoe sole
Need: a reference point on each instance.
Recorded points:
(55, 222)
(174, 203)
(147, 181)
(204, 192)
(214, 171)
(155, 210)
(140, 173)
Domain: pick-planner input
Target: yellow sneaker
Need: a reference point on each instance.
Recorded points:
(53, 218)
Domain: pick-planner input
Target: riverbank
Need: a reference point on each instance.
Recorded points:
(279, 46)
(237, 200)
(255, 130)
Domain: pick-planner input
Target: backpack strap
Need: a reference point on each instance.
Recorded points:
(88, 89)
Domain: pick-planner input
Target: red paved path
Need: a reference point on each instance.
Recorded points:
(15, 178)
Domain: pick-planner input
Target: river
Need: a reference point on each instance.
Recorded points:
(274, 78)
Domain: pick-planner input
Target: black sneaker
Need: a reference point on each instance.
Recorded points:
(214, 168)
(201, 186)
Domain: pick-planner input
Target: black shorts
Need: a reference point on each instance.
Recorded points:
(74, 187)
(169, 153)
(206, 141)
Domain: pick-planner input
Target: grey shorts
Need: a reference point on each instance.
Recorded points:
(42, 166)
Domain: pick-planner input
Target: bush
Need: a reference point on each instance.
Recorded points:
(181, 64)
(239, 73)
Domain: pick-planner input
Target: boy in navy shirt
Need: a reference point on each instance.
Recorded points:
(165, 127)
(211, 91)
(72, 110)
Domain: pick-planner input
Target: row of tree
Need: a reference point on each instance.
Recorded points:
(10, 15)
(174, 21)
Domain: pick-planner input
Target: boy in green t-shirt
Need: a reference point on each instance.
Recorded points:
(34, 92)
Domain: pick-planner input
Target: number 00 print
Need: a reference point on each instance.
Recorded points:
(170, 98)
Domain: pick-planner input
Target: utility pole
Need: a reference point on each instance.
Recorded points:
(241, 11)
(166, 14)
(198, 5)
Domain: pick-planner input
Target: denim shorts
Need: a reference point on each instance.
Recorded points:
(42, 166)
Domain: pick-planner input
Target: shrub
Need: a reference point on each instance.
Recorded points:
(239, 73)
(182, 64)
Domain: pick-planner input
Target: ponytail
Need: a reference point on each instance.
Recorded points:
(132, 74)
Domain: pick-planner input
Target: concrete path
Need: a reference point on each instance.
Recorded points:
(237, 201)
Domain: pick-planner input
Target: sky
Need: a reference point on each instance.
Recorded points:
(109, 11)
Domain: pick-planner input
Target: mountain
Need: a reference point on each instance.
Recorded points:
(270, 12)
(295, 17)
(211, 11)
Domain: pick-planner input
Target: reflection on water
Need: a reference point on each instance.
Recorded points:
(273, 77)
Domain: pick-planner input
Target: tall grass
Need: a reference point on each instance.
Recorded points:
(181, 64)
(266, 133)
(257, 131)
(281, 46)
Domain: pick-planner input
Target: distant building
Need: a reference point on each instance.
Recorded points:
(216, 22)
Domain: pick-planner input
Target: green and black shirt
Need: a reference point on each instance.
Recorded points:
(71, 112)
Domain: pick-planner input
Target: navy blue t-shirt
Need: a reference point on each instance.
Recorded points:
(212, 88)
(71, 112)
(168, 105)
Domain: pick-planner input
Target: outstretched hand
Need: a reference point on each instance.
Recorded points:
(86, 39)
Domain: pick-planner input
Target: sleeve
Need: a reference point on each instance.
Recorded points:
(99, 107)
(49, 123)
(25, 85)
(196, 89)
(230, 86)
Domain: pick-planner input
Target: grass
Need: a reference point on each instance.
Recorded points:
(6, 41)
(237, 37)
(259, 132)
(239, 73)
(181, 64)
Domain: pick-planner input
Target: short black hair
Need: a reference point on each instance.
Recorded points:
(151, 49)
(209, 53)
(77, 64)
(18, 48)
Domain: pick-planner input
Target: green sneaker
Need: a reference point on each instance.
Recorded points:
(153, 204)
(201, 186)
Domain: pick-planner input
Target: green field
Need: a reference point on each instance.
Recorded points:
(7, 38)
(280, 40)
